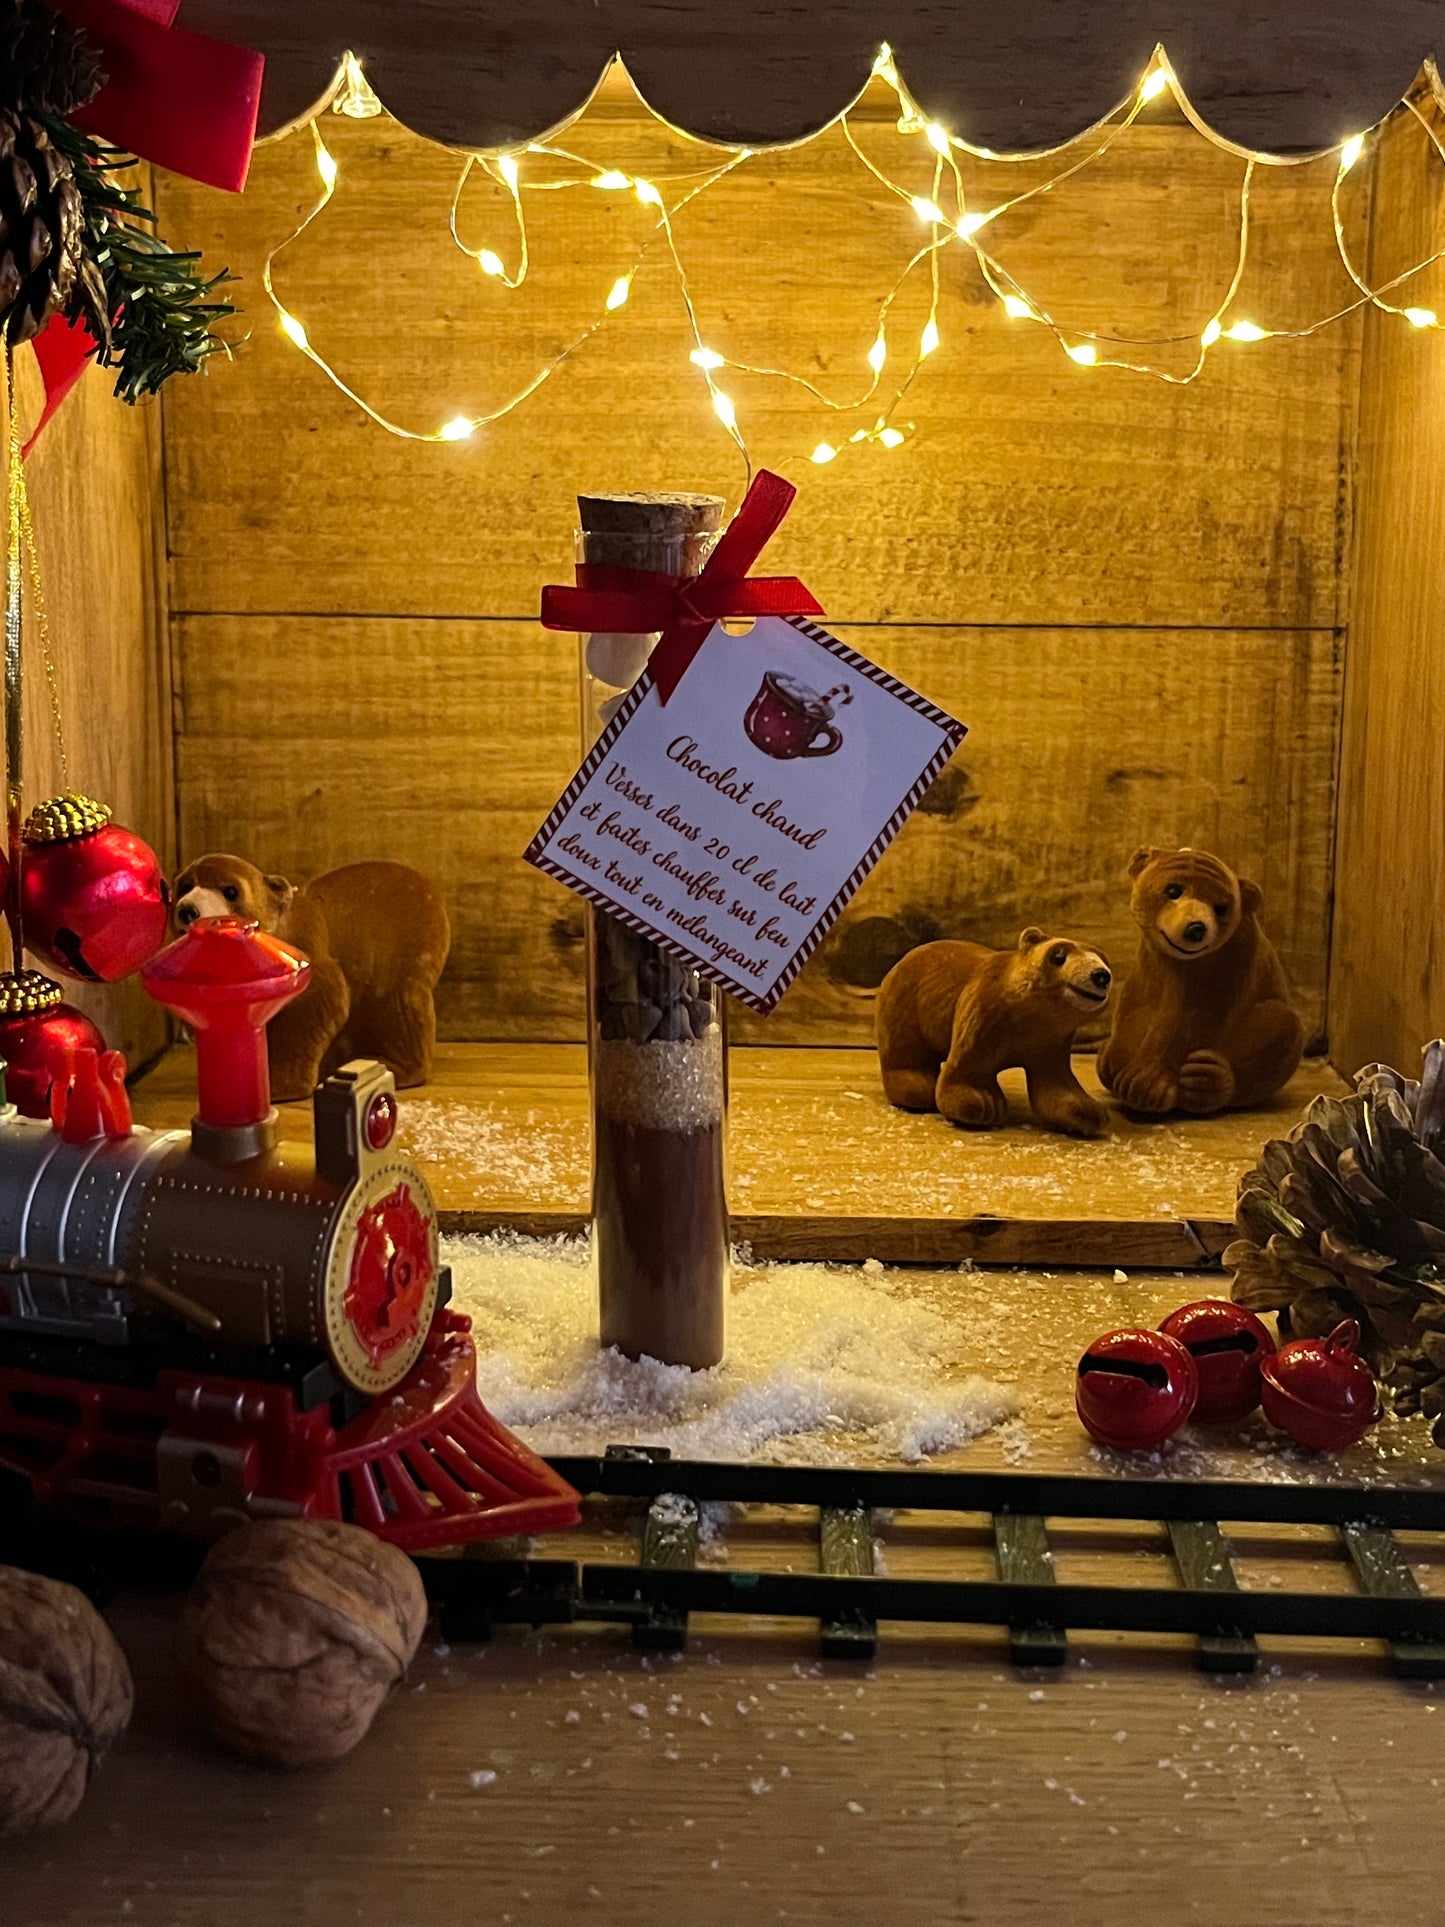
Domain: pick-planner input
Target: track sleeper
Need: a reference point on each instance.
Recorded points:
(1021, 1544)
(1384, 1572)
(1204, 1565)
(669, 1540)
(845, 1548)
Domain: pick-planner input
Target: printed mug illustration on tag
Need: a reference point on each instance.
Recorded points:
(733, 822)
(786, 718)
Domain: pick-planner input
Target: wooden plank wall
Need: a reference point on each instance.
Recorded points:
(1387, 984)
(94, 480)
(1132, 592)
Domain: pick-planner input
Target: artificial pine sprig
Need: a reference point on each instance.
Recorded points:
(147, 306)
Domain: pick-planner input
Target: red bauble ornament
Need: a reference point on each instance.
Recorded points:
(37, 1031)
(93, 896)
(1135, 1389)
(1227, 1344)
(1320, 1390)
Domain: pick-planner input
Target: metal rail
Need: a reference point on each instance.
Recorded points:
(847, 1598)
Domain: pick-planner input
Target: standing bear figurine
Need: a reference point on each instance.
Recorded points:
(377, 937)
(1205, 1021)
(951, 1016)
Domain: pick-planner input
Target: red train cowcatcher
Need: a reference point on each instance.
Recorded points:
(208, 1326)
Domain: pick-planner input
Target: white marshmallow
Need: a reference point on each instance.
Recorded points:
(617, 659)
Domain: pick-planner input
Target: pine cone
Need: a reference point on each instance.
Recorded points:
(1345, 1218)
(41, 227)
(46, 65)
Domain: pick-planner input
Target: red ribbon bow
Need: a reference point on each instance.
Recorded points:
(180, 99)
(684, 608)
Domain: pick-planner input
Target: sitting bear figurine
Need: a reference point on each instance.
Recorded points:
(951, 1016)
(1205, 1020)
(377, 936)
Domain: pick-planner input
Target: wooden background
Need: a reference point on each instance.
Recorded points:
(1387, 985)
(1133, 594)
(94, 480)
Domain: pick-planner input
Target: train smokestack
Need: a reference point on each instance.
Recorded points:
(227, 978)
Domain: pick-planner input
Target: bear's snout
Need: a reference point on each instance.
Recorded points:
(1100, 978)
(199, 902)
(1195, 932)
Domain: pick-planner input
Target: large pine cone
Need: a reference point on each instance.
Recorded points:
(41, 227)
(46, 65)
(1345, 1218)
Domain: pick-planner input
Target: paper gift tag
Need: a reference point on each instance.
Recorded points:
(733, 823)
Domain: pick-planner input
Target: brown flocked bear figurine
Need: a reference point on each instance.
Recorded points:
(1205, 1021)
(377, 936)
(951, 1016)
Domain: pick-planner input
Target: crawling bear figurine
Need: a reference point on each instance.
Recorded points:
(377, 936)
(951, 1016)
(1205, 1020)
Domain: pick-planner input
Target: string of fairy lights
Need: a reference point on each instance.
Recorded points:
(945, 216)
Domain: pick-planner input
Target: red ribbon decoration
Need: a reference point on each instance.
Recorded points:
(684, 608)
(180, 99)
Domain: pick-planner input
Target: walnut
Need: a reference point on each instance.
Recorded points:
(295, 1632)
(65, 1698)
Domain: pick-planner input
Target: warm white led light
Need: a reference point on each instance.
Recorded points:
(1083, 352)
(1245, 331)
(458, 429)
(326, 166)
(927, 210)
(1421, 317)
(877, 355)
(356, 100)
(490, 263)
(971, 223)
(1153, 84)
(723, 407)
(928, 340)
(824, 452)
(292, 329)
(612, 179)
(890, 437)
(937, 137)
(507, 168)
(1351, 152)
(647, 193)
(619, 291)
(1212, 332)
(707, 358)
(1016, 308)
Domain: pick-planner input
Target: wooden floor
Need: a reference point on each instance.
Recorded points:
(823, 1167)
(559, 1778)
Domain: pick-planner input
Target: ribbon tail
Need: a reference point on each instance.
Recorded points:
(631, 612)
(61, 350)
(183, 100)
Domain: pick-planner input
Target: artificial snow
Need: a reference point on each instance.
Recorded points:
(824, 1363)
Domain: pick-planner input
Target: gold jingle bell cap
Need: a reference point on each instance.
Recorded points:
(61, 819)
(27, 993)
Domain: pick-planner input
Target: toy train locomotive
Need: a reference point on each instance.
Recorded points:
(200, 1327)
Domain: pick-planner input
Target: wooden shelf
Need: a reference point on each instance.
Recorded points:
(822, 1166)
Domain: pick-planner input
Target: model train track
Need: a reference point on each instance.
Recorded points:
(847, 1598)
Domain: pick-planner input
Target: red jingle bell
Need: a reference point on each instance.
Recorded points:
(1320, 1390)
(1135, 1388)
(93, 896)
(1227, 1344)
(36, 1030)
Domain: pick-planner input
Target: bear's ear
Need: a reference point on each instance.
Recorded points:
(1028, 938)
(1250, 897)
(281, 891)
(1139, 859)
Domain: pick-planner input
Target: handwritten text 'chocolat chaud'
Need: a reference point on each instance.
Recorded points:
(703, 885)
